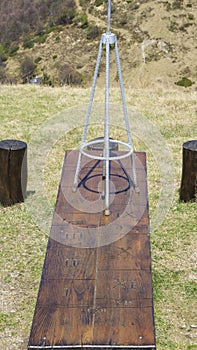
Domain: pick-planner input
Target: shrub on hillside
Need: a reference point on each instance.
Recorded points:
(185, 82)
(177, 4)
(92, 32)
(10, 49)
(2, 75)
(69, 76)
(27, 69)
(66, 16)
(38, 59)
(98, 2)
(47, 80)
(28, 42)
(3, 57)
(191, 16)
(41, 39)
(13, 50)
(81, 19)
(84, 3)
(19, 17)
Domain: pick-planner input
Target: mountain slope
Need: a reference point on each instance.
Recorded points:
(157, 43)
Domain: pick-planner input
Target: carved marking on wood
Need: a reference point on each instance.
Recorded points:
(101, 295)
(121, 284)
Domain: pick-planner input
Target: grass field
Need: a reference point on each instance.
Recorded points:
(172, 117)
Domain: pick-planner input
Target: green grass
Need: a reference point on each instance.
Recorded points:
(23, 111)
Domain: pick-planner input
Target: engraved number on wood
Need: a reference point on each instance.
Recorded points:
(123, 284)
(71, 262)
(75, 262)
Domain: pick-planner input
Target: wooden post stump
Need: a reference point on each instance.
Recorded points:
(13, 171)
(188, 190)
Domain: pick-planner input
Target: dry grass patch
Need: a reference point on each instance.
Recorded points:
(22, 112)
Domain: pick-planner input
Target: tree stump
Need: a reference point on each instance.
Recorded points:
(13, 171)
(188, 190)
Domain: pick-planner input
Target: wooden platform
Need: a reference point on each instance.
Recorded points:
(96, 285)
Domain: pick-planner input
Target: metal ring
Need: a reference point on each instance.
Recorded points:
(93, 142)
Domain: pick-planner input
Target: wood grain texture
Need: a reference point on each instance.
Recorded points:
(13, 171)
(188, 190)
(96, 285)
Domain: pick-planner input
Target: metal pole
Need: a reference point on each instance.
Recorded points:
(109, 16)
(106, 130)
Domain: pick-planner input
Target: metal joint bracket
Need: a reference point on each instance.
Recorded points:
(108, 38)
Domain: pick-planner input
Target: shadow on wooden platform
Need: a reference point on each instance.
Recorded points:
(96, 285)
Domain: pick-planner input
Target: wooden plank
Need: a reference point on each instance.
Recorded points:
(63, 262)
(129, 285)
(96, 286)
(59, 326)
(70, 292)
(121, 324)
(128, 253)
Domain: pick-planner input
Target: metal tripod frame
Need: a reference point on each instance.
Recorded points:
(107, 39)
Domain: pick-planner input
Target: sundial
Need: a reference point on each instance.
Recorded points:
(108, 39)
(96, 284)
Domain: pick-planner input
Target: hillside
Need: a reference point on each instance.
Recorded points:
(157, 41)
